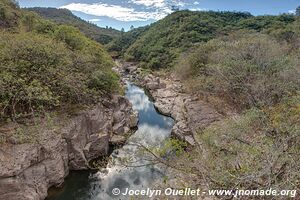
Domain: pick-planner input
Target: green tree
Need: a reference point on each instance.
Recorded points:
(71, 36)
(29, 21)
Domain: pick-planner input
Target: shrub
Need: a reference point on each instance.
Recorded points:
(103, 81)
(259, 149)
(45, 27)
(9, 15)
(32, 72)
(71, 36)
(252, 70)
(39, 73)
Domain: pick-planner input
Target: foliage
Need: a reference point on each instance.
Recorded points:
(44, 66)
(264, 23)
(71, 36)
(9, 14)
(260, 149)
(40, 73)
(119, 45)
(161, 44)
(248, 70)
(103, 81)
(66, 17)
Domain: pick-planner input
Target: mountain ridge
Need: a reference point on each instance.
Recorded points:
(64, 16)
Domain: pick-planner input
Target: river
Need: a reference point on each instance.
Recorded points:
(153, 130)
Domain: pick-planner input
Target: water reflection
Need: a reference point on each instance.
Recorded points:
(153, 129)
(147, 112)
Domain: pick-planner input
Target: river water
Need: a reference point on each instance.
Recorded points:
(129, 166)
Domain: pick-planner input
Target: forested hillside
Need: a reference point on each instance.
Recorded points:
(118, 46)
(45, 66)
(64, 16)
(163, 42)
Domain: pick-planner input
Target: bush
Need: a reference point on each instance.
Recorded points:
(71, 36)
(103, 81)
(259, 149)
(9, 15)
(32, 71)
(252, 70)
(39, 73)
(45, 27)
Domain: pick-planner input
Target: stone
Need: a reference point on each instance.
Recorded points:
(200, 115)
(118, 139)
(98, 146)
(189, 113)
(152, 86)
(133, 120)
(28, 170)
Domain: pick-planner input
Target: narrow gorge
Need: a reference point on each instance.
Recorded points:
(29, 169)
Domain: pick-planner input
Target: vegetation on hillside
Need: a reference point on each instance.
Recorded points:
(258, 75)
(9, 14)
(66, 17)
(245, 69)
(44, 66)
(119, 46)
(161, 44)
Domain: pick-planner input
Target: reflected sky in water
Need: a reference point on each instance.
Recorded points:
(153, 129)
(147, 113)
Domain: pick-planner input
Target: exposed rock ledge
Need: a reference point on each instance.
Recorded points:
(28, 170)
(189, 113)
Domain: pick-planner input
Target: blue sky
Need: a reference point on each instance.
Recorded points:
(124, 13)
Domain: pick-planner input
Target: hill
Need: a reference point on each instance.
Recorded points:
(45, 66)
(160, 45)
(64, 16)
(119, 45)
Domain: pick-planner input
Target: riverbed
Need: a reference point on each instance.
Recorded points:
(129, 167)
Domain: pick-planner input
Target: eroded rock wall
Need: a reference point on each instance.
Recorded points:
(28, 170)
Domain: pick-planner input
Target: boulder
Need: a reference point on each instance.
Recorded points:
(118, 140)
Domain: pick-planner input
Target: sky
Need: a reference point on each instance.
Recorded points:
(126, 13)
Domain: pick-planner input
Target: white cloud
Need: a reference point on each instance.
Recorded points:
(159, 4)
(117, 12)
(95, 20)
(150, 3)
(197, 9)
(292, 11)
(196, 3)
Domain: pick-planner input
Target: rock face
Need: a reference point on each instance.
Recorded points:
(189, 113)
(28, 170)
